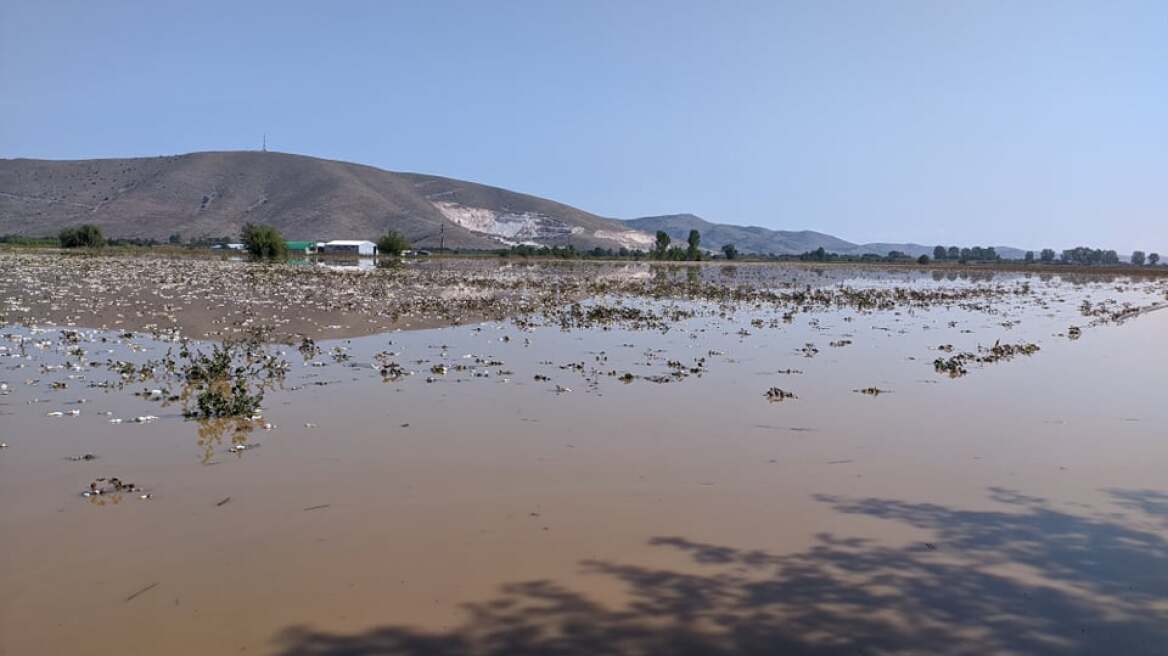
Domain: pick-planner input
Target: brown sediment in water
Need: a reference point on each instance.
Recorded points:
(1016, 509)
(206, 298)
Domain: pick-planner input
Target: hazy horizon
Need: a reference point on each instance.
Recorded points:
(1031, 126)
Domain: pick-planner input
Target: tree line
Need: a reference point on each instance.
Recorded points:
(1084, 255)
(823, 255)
(663, 249)
(972, 253)
(264, 241)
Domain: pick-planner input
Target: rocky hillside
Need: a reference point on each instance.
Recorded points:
(213, 194)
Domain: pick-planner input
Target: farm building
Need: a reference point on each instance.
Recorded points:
(349, 247)
(302, 247)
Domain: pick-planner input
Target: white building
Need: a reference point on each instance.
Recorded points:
(349, 247)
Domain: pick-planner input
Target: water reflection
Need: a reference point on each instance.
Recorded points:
(357, 264)
(232, 432)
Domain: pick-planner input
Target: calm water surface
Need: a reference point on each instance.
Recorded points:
(1020, 508)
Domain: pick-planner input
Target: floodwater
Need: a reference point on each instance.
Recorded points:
(467, 506)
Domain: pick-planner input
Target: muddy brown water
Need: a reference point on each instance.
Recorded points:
(1021, 508)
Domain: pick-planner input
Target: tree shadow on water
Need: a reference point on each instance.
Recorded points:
(1023, 578)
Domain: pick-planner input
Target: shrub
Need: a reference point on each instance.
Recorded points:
(393, 243)
(263, 241)
(82, 236)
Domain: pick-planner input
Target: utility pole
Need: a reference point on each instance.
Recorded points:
(442, 237)
(264, 147)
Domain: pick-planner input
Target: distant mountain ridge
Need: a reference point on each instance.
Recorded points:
(755, 239)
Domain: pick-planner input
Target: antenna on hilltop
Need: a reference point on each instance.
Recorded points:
(264, 147)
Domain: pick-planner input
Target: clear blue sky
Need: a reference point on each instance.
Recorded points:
(998, 122)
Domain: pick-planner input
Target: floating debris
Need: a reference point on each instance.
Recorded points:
(102, 486)
(141, 592)
(778, 394)
(954, 366)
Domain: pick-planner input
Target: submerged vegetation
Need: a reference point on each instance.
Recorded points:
(955, 365)
(228, 381)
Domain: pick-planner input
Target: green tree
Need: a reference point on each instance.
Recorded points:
(1154, 259)
(1029, 257)
(922, 260)
(393, 243)
(695, 238)
(1047, 255)
(663, 241)
(939, 253)
(263, 241)
(83, 236)
(730, 251)
(954, 253)
(175, 239)
(1137, 258)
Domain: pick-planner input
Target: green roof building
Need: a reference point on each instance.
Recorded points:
(305, 247)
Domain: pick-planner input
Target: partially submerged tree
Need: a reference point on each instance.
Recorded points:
(263, 241)
(695, 239)
(663, 241)
(82, 236)
(393, 243)
(730, 251)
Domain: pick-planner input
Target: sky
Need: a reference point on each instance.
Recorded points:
(1029, 124)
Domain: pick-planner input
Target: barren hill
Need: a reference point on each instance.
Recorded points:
(213, 194)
